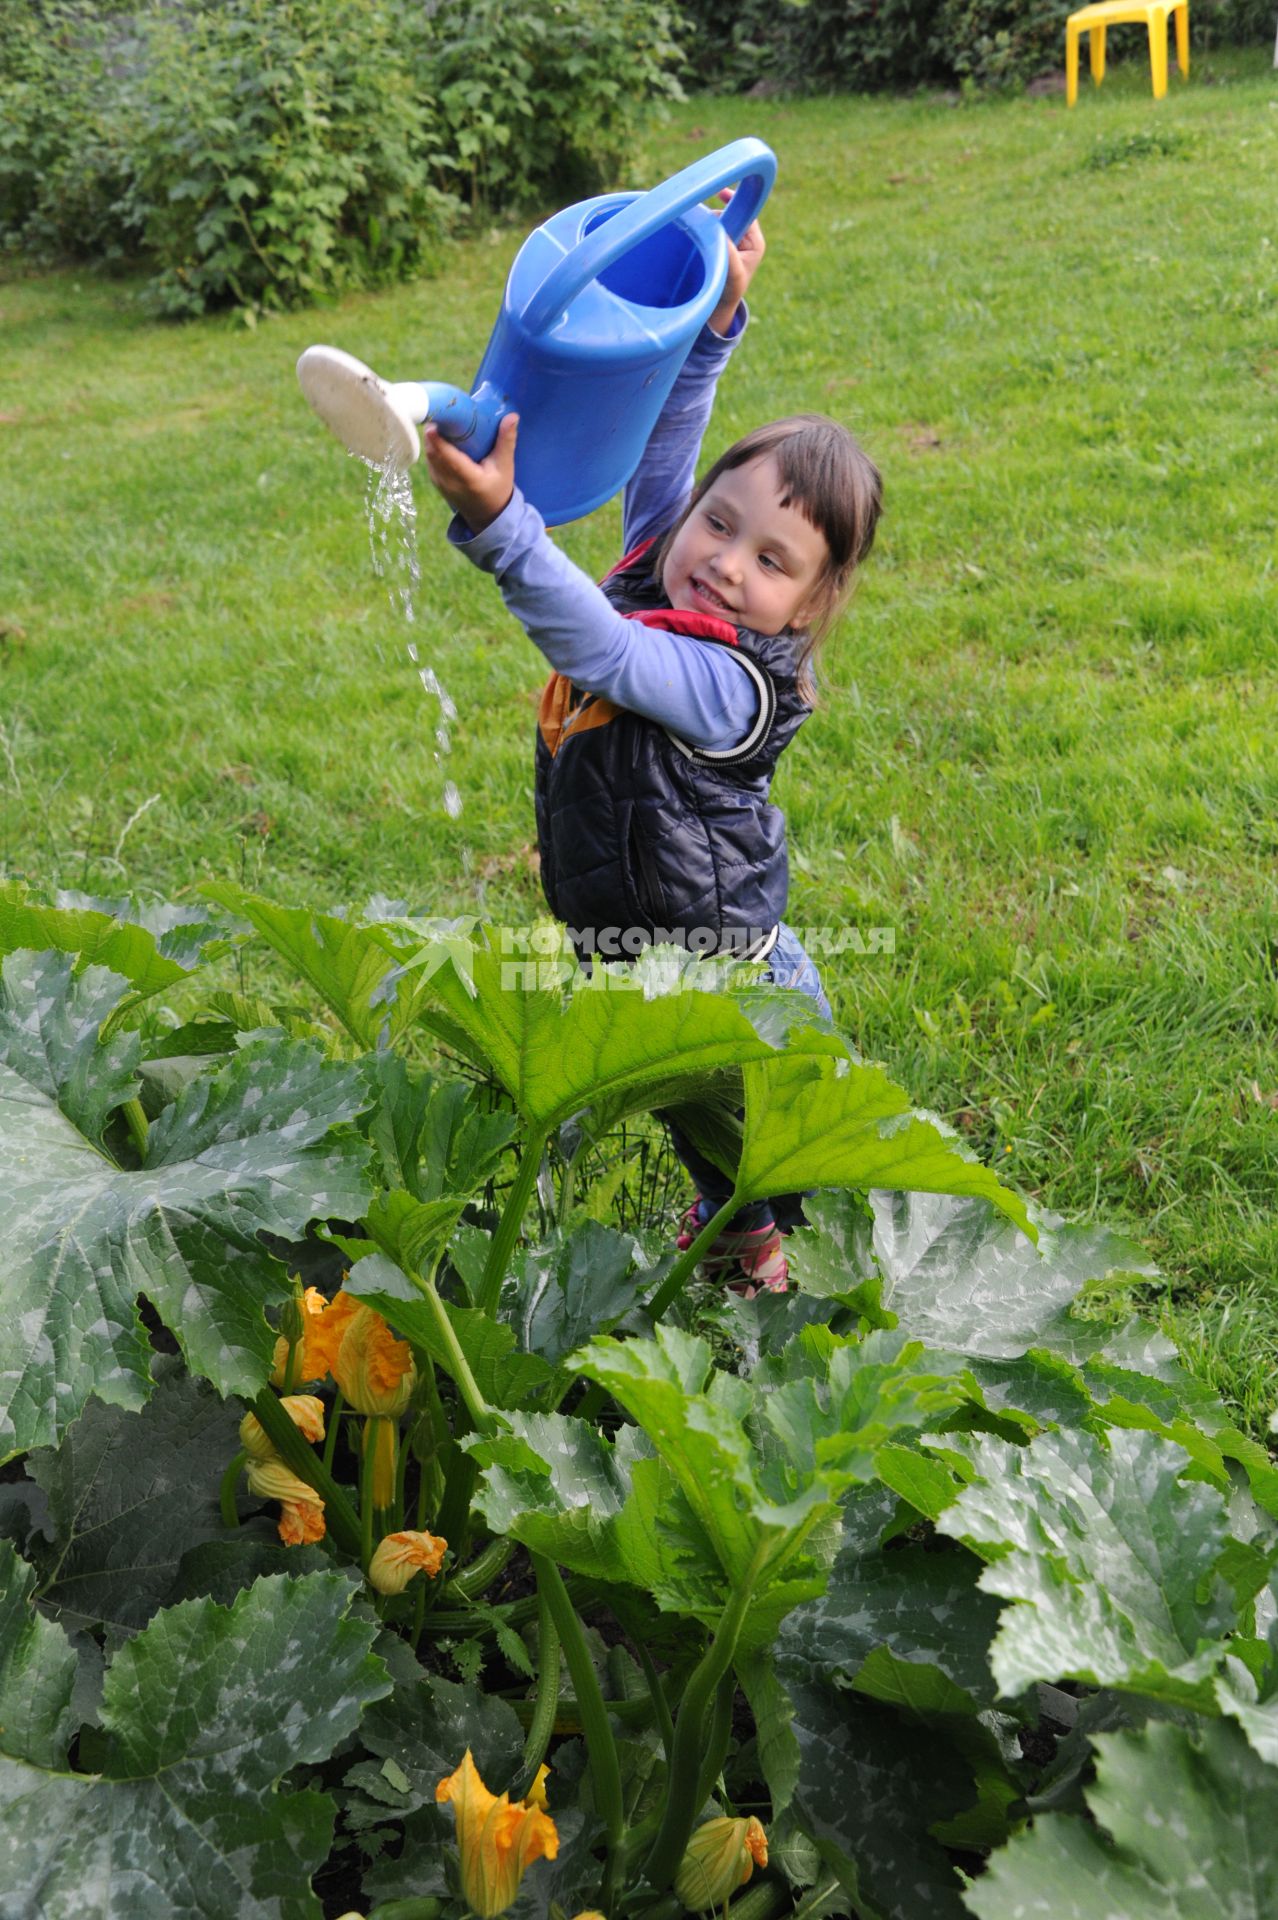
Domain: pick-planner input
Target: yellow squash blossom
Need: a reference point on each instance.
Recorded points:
(498, 1841)
(305, 1410)
(313, 1305)
(401, 1555)
(301, 1508)
(375, 1371)
(721, 1856)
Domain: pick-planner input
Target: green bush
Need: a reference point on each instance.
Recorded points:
(542, 102)
(998, 43)
(264, 152)
(810, 45)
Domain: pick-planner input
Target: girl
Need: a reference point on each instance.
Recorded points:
(677, 685)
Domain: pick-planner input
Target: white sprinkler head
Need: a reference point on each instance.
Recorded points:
(375, 420)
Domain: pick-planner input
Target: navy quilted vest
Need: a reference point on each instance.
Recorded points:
(644, 836)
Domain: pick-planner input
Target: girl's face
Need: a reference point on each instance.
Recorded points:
(744, 556)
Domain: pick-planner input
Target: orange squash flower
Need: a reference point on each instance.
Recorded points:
(498, 1841)
(721, 1856)
(399, 1556)
(301, 1522)
(313, 1305)
(375, 1371)
(301, 1508)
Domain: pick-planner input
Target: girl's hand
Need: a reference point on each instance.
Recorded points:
(743, 263)
(478, 490)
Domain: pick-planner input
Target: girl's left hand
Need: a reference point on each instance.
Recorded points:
(744, 257)
(478, 490)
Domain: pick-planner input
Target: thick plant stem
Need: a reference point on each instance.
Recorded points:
(768, 1898)
(665, 1725)
(136, 1121)
(367, 1475)
(543, 1720)
(682, 1805)
(297, 1453)
(512, 1218)
(686, 1265)
(482, 1571)
(718, 1738)
(226, 1493)
(605, 1769)
(483, 1416)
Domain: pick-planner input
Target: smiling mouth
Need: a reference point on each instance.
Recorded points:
(708, 594)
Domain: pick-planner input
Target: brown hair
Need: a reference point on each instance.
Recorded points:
(834, 484)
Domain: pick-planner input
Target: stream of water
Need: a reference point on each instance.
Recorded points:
(392, 539)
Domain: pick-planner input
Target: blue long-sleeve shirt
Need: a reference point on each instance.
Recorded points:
(695, 688)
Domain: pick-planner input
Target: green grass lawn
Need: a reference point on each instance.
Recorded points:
(1046, 750)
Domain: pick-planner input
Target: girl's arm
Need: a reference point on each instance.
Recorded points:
(694, 687)
(657, 490)
(661, 483)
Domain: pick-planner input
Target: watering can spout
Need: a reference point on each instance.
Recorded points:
(376, 419)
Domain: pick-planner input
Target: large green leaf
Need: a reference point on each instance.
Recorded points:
(923, 1605)
(128, 1495)
(724, 1483)
(835, 1402)
(1248, 1691)
(627, 1038)
(245, 1150)
(203, 1713)
(664, 1032)
(354, 970)
(1109, 1557)
(423, 1730)
(151, 949)
(908, 1628)
(37, 1673)
(571, 1286)
(433, 1137)
(747, 1521)
(562, 1488)
(829, 1122)
(1190, 1819)
(870, 1786)
(959, 1276)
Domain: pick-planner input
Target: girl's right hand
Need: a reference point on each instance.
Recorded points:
(744, 257)
(478, 490)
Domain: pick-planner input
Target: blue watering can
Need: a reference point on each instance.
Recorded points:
(600, 310)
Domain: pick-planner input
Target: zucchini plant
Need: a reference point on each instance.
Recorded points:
(384, 1531)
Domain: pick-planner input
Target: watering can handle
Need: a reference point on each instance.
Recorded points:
(748, 162)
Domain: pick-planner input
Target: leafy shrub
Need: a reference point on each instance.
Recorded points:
(537, 102)
(998, 43)
(809, 45)
(266, 151)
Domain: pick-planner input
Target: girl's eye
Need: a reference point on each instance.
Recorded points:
(767, 560)
(715, 524)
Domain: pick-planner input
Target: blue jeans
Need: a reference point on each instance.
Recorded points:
(788, 966)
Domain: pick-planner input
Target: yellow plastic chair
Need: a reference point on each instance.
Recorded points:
(1155, 14)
